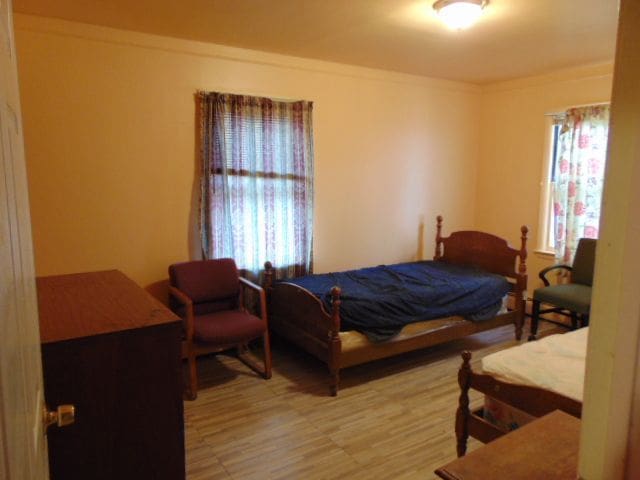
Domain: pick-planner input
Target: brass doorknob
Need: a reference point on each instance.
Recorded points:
(62, 416)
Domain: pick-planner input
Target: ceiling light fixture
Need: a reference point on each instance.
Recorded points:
(459, 14)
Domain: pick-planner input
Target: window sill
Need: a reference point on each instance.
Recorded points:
(545, 253)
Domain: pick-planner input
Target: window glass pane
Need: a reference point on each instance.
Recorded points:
(550, 227)
(554, 151)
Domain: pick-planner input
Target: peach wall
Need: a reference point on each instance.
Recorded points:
(512, 148)
(109, 132)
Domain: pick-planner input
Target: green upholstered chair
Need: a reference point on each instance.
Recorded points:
(572, 299)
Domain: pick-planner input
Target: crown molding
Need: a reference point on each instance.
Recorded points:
(583, 72)
(54, 26)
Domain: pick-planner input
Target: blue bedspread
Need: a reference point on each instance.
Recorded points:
(379, 301)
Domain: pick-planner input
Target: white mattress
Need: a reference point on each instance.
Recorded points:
(555, 363)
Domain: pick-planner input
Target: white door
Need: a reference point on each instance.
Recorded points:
(23, 452)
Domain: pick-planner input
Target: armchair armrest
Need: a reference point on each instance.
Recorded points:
(263, 299)
(544, 272)
(184, 299)
(250, 284)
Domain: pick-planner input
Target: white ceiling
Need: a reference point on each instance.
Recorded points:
(515, 38)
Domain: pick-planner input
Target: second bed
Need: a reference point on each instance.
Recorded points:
(520, 384)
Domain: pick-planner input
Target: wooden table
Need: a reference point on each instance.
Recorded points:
(545, 449)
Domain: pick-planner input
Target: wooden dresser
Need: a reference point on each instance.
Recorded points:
(113, 351)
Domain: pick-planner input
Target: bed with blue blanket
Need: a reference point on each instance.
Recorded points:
(352, 317)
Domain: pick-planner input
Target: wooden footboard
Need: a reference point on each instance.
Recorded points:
(534, 401)
(297, 315)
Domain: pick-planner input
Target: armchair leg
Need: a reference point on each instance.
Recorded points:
(574, 320)
(535, 314)
(247, 358)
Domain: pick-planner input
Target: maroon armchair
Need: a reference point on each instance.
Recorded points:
(208, 296)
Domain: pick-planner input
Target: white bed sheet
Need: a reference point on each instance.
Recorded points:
(555, 363)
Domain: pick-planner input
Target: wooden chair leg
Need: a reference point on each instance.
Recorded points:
(574, 320)
(249, 360)
(535, 314)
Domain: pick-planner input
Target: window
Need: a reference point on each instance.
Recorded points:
(257, 181)
(572, 194)
(547, 224)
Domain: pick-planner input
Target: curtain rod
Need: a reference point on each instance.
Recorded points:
(275, 99)
(562, 114)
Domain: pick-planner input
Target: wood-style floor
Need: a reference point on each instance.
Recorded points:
(392, 419)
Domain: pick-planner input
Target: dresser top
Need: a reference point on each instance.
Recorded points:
(95, 303)
(545, 449)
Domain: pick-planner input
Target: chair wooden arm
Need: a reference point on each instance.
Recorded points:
(250, 284)
(544, 272)
(263, 299)
(184, 299)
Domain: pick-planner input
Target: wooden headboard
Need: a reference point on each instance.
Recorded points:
(483, 250)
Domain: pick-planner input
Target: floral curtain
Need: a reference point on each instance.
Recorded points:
(257, 181)
(579, 177)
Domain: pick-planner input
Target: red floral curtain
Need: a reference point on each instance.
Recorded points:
(579, 177)
(257, 181)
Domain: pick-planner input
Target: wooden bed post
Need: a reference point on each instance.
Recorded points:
(334, 342)
(268, 277)
(463, 413)
(438, 254)
(522, 281)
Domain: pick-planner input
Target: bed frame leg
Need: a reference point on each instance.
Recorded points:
(519, 325)
(438, 254)
(334, 382)
(463, 412)
(267, 281)
(335, 344)
(521, 287)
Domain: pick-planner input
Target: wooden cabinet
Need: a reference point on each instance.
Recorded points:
(113, 351)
